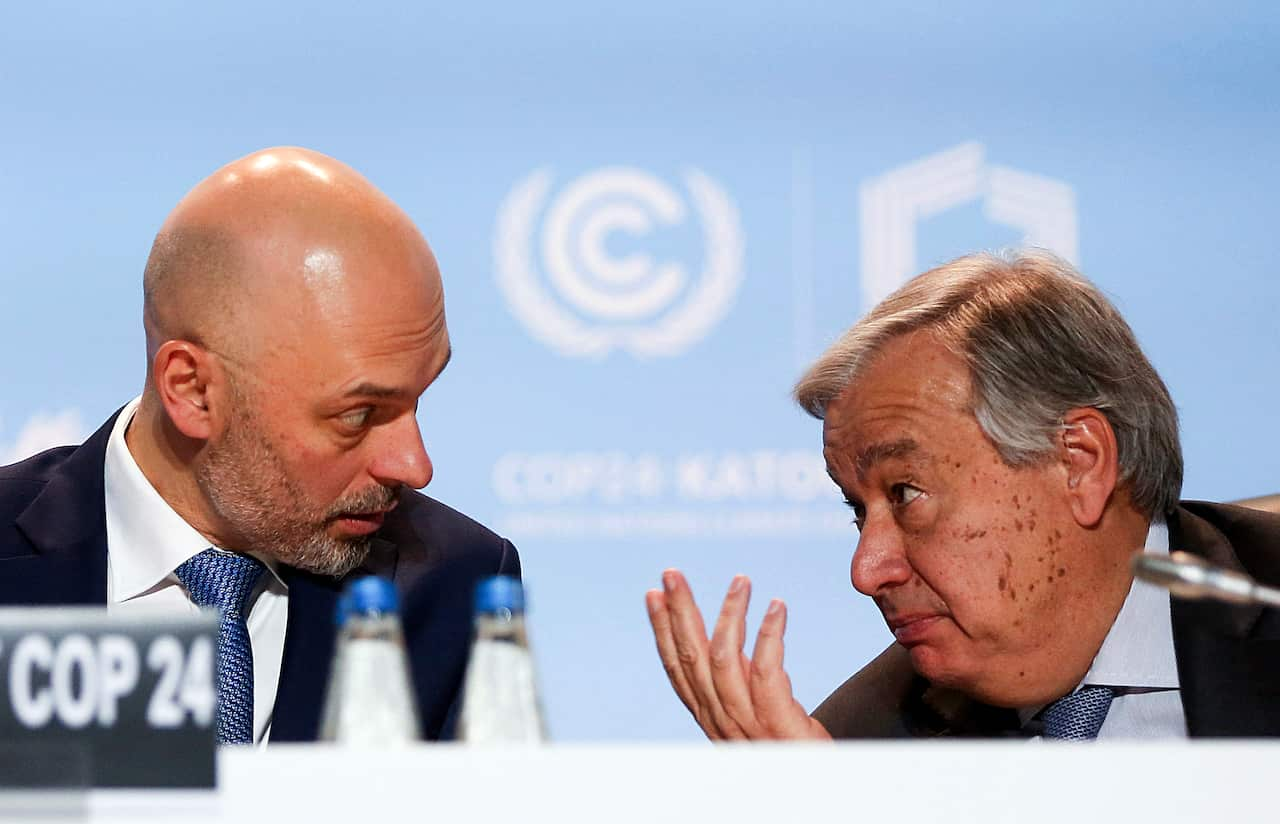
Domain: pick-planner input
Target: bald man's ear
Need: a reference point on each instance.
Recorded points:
(181, 371)
(1092, 459)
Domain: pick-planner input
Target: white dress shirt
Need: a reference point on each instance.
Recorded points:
(147, 541)
(1137, 660)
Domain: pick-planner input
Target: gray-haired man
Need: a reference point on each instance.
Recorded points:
(1006, 447)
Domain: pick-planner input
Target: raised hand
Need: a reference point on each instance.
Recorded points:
(731, 696)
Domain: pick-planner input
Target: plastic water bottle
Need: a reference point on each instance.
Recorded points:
(500, 702)
(370, 701)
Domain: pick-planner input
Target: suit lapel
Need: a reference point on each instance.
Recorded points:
(1227, 673)
(308, 651)
(67, 525)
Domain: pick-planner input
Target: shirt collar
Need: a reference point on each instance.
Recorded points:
(146, 538)
(1138, 651)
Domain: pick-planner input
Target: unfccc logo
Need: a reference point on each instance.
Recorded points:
(585, 298)
(894, 203)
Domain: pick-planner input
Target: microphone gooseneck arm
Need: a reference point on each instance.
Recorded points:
(1190, 576)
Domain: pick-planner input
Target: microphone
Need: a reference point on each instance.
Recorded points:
(1190, 576)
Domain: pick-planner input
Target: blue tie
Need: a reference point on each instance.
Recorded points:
(225, 580)
(1078, 716)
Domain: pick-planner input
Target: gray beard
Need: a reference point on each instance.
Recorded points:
(247, 486)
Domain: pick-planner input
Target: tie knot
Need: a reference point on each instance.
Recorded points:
(1078, 716)
(220, 579)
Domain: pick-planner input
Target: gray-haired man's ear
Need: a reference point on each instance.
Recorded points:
(1089, 453)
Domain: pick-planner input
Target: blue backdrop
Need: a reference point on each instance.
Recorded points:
(650, 217)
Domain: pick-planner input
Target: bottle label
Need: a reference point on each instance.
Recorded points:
(501, 698)
(370, 702)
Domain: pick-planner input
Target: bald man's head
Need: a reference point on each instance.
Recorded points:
(260, 243)
(188, 282)
(294, 317)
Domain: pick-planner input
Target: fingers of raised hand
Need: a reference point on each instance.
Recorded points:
(660, 619)
(686, 658)
(729, 695)
(776, 709)
(694, 653)
(729, 666)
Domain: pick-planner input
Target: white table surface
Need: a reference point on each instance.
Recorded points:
(873, 782)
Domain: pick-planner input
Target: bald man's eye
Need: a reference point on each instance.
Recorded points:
(357, 418)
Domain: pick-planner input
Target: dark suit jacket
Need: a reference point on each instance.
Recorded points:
(1228, 656)
(53, 550)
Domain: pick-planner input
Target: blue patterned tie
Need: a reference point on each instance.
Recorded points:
(225, 580)
(1078, 716)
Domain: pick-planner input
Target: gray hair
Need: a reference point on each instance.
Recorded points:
(1039, 340)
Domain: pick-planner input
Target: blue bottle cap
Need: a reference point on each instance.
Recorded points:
(501, 592)
(370, 594)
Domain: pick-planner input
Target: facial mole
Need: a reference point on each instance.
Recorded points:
(1061, 572)
(1002, 583)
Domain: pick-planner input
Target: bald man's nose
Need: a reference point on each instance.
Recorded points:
(402, 458)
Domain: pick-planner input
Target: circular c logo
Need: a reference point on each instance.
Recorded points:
(589, 300)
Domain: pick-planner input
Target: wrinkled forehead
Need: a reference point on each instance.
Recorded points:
(912, 402)
(394, 349)
(910, 376)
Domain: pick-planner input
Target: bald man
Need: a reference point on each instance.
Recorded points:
(293, 316)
